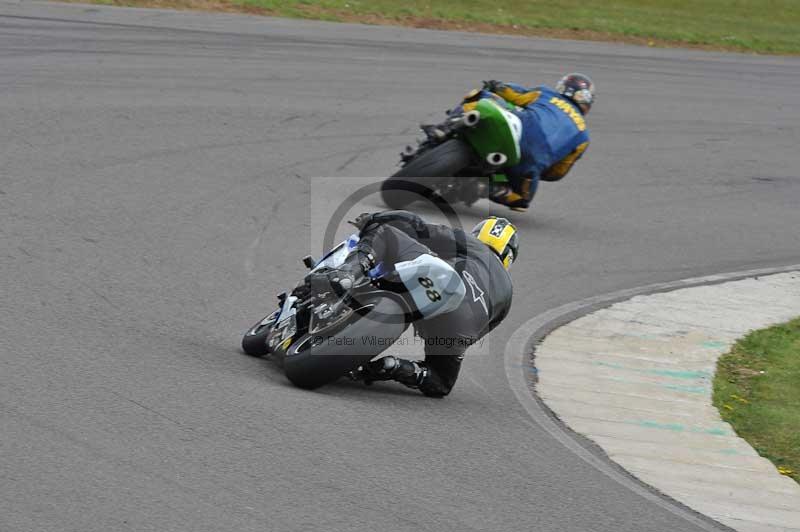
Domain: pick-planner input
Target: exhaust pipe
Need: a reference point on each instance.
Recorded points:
(472, 118)
(496, 158)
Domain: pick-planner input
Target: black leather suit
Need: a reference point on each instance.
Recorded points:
(396, 236)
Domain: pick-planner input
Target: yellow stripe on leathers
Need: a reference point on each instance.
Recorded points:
(520, 99)
(570, 111)
(561, 168)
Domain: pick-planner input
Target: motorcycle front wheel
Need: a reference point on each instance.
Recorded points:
(254, 342)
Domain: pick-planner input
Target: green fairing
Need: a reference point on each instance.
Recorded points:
(493, 133)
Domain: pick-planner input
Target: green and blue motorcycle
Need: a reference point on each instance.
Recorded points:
(460, 160)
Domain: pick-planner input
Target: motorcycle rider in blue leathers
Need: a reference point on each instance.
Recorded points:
(554, 132)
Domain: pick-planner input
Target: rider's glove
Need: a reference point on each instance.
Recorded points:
(330, 280)
(363, 220)
(341, 280)
(493, 85)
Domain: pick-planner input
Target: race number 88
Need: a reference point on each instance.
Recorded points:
(433, 295)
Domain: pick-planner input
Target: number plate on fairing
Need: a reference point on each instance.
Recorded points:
(433, 285)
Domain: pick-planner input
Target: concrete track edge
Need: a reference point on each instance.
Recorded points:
(519, 355)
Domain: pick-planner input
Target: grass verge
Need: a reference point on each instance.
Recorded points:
(757, 390)
(760, 26)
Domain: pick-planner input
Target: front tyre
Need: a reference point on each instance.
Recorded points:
(254, 342)
(416, 180)
(317, 359)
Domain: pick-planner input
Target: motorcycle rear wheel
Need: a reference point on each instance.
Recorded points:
(317, 359)
(417, 180)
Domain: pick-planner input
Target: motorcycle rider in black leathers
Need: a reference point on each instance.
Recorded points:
(481, 259)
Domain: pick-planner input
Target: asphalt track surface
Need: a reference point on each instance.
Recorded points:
(155, 176)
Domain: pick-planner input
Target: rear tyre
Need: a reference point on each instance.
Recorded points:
(315, 360)
(417, 180)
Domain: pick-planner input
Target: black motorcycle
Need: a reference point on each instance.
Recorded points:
(321, 333)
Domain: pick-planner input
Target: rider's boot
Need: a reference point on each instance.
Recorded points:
(407, 372)
(504, 194)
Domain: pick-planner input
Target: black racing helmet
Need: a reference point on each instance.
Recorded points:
(578, 88)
